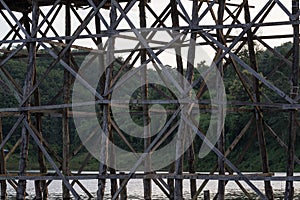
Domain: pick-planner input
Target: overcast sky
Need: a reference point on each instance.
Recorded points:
(158, 5)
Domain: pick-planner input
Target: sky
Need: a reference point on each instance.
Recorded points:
(276, 15)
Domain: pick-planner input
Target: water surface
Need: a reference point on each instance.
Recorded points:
(135, 189)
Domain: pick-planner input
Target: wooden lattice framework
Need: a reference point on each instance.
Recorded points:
(31, 27)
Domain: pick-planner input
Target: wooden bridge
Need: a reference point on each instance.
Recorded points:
(64, 31)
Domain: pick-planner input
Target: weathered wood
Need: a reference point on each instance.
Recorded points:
(41, 186)
(258, 117)
(106, 125)
(87, 176)
(160, 182)
(112, 162)
(66, 97)
(228, 162)
(62, 53)
(227, 152)
(95, 40)
(31, 47)
(3, 193)
(178, 190)
(84, 163)
(171, 181)
(289, 188)
(146, 118)
(206, 195)
(123, 195)
(236, 106)
(178, 163)
(161, 21)
(143, 156)
(190, 77)
(13, 28)
(48, 157)
(221, 140)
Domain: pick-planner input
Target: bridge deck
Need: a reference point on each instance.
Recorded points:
(25, 5)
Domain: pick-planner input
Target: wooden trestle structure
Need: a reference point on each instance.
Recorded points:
(58, 27)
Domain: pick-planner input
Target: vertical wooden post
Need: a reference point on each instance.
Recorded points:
(206, 195)
(106, 124)
(175, 24)
(190, 78)
(100, 56)
(66, 96)
(146, 117)
(177, 184)
(2, 165)
(221, 143)
(258, 117)
(24, 134)
(179, 162)
(123, 195)
(178, 193)
(171, 181)
(112, 155)
(112, 162)
(21, 190)
(40, 186)
(289, 190)
(102, 168)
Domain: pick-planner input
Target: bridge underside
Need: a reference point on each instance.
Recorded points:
(48, 51)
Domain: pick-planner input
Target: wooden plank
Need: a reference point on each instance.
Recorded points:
(161, 175)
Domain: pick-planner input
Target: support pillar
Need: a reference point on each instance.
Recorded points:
(106, 124)
(289, 188)
(3, 194)
(146, 117)
(190, 79)
(258, 115)
(21, 190)
(66, 97)
(178, 165)
(221, 141)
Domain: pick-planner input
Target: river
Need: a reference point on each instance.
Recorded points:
(135, 189)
